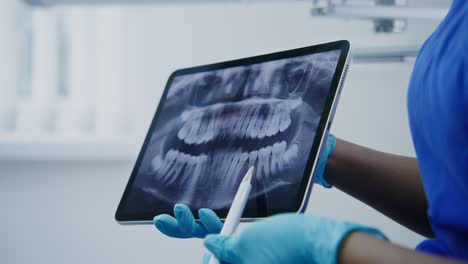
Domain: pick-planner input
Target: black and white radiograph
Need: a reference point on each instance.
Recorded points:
(214, 125)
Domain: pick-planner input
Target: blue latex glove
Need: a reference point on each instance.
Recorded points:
(329, 147)
(286, 238)
(184, 224)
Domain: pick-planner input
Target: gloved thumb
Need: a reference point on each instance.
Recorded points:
(223, 247)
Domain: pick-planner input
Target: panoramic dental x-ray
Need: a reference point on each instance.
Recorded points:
(213, 125)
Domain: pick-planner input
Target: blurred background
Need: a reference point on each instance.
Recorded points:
(80, 81)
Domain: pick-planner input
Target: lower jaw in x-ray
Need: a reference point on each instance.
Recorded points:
(210, 149)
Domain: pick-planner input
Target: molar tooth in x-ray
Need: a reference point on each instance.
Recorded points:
(212, 162)
(187, 127)
(232, 159)
(170, 167)
(227, 157)
(156, 163)
(200, 166)
(195, 169)
(291, 153)
(210, 131)
(246, 122)
(263, 164)
(183, 131)
(189, 130)
(199, 138)
(293, 103)
(186, 115)
(242, 159)
(196, 128)
(252, 121)
(264, 119)
(168, 162)
(190, 164)
(217, 161)
(264, 129)
(255, 126)
(253, 158)
(246, 117)
(174, 173)
(274, 124)
(231, 167)
(194, 132)
(277, 153)
(285, 119)
(258, 127)
(232, 170)
(237, 129)
(178, 168)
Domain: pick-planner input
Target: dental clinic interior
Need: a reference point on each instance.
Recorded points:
(81, 80)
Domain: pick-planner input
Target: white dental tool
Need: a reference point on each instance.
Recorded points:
(237, 208)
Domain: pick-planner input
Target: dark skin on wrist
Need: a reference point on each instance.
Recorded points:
(374, 178)
(363, 248)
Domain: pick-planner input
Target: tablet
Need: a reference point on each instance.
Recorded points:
(213, 122)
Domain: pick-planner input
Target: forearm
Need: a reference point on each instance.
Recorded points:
(363, 248)
(389, 183)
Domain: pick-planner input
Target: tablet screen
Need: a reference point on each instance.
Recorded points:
(212, 125)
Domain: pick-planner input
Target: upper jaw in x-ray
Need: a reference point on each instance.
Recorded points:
(216, 125)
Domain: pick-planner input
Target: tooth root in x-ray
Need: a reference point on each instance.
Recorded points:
(263, 169)
(277, 153)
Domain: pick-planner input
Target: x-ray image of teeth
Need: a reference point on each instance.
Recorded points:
(214, 125)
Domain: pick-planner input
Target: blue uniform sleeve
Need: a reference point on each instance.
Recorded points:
(438, 108)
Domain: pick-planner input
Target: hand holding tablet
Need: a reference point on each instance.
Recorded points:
(215, 121)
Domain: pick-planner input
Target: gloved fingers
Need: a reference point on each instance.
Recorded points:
(320, 175)
(169, 226)
(223, 247)
(187, 222)
(199, 231)
(207, 257)
(210, 221)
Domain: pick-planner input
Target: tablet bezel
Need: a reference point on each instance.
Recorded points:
(317, 147)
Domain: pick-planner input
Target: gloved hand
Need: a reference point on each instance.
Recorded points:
(329, 147)
(286, 238)
(184, 224)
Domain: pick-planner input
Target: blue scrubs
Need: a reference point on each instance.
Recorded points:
(438, 116)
